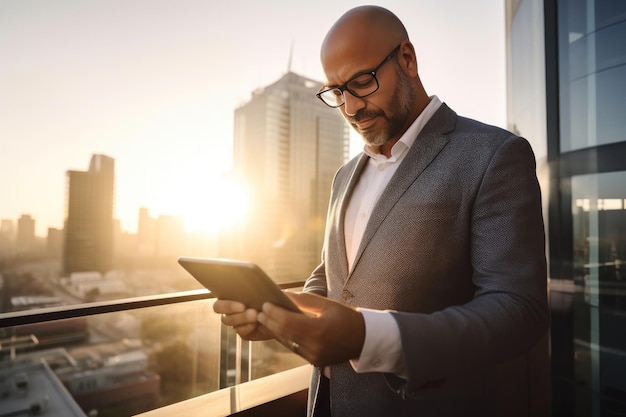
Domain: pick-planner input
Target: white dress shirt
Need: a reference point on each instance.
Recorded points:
(382, 349)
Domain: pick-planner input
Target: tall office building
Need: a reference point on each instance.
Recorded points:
(146, 233)
(7, 235)
(54, 243)
(25, 232)
(89, 217)
(287, 148)
(567, 95)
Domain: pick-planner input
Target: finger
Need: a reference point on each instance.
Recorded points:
(248, 316)
(283, 323)
(247, 329)
(228, 307)
(308, 303)
(295, 347)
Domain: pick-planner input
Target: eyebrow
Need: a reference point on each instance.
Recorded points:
(358, 74)
(368, 71)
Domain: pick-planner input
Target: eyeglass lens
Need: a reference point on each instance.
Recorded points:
(361, 86)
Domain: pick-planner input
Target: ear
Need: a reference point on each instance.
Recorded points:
(407, 58)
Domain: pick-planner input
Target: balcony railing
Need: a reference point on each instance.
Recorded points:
(40, 315)
(181, 339)
(281, 394)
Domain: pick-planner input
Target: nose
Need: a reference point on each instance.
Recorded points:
(352, 104)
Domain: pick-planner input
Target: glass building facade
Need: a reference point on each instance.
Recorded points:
(567, 94)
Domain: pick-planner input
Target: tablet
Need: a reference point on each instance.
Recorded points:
(237, 280)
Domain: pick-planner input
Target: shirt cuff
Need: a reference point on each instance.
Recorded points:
(382, 348)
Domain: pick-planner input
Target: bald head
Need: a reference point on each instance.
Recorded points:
(364, 29)
(385, 99)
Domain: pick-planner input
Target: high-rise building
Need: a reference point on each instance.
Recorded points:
(89, 217)
(146, 233)
(7, 235)
(287, 147)
(25, 232)
(567, 95)
(54, 243)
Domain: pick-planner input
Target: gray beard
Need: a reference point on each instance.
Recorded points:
(396, 119)
(374, 141)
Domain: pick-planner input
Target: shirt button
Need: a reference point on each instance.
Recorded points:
(377, 362)
(345, 294)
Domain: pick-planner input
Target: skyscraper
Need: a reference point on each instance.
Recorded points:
(287, 148)
(89, 217)
(25, 232)
(54, 244)
(567, 94)
(146, 233)
(7, 235)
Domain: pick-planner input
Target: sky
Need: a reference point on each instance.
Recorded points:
(154, 85)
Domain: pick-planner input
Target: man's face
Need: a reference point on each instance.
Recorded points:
(383, 115)
(386, 120)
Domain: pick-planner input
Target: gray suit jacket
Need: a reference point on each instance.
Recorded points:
(455, 247)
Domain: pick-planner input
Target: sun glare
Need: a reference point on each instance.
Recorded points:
(206, 207)
(223, 207)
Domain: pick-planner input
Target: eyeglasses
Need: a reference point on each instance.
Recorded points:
(361, 85)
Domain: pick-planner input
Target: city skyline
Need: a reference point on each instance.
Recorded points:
(155, 87)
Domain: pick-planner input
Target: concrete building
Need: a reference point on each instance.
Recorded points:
(97, 379)
(34, 389)
(146, 233)
(25, 240)
(54, 243)
(89, 217)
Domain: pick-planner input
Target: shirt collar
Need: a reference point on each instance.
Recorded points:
(409, 137)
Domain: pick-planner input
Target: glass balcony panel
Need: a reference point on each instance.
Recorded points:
(130, 361)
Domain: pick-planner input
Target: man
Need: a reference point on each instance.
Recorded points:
(433, 276)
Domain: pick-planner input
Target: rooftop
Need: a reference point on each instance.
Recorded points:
(33, 389)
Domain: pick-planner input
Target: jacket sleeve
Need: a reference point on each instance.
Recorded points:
(316, 283)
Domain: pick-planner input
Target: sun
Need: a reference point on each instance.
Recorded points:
(222, 206)
(206, 206)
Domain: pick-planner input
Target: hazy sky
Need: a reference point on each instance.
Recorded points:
(154, 84)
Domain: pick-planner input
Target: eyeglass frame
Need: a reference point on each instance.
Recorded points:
(344, 87)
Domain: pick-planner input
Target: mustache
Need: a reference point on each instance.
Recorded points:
(364, 115)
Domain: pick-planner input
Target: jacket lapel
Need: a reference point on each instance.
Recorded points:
(342, 201)
(431, 140)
